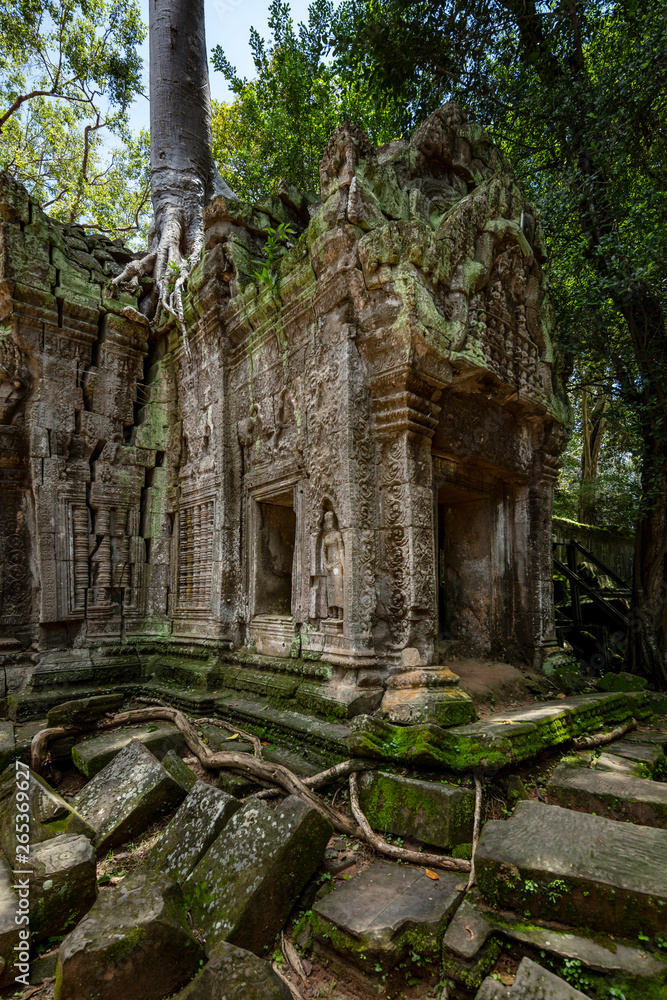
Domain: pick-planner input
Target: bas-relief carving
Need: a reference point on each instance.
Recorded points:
(410, 335)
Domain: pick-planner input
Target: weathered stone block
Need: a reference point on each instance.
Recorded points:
(7, 744)
(235, 974)
(83, 711)
(247, 882)
(531, 981)
(92, 755)
(127, 796)
(584, 870)
(650, 755)
(63, 886)
(616, 796)
(49, 814)
(435, 812)
(386, 911)
(9, 929)
(179, 770)
(134, 944)
(198, 821)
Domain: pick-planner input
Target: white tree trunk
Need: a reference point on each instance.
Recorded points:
(183, 175)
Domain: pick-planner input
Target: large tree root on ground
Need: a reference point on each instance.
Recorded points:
(601, 739)
(476, 827)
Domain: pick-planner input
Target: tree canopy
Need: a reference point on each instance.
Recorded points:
(279, 123)
(69, 72)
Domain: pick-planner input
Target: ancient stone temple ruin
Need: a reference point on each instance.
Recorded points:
(323, 480)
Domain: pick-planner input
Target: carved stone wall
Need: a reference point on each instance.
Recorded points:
(354, 464)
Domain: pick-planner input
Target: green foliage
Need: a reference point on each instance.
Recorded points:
(266, 270)
(69, 72)
(278, 124)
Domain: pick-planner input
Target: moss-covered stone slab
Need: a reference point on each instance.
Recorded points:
(134, 942)
(63, 885)
(249, 879)
(558, 864)
(385, 912)
(531, 981)
(503, 738)
(607, 762)
(616, 796)
(129, 794)
(90, 756)
(9, 929)
(474, 938)
(197, 822)
(650, 755)
(235, 974)
(179, 770)
(470, 949)
(7, 744)
(50, 815)
(84, 711)
(435, 812)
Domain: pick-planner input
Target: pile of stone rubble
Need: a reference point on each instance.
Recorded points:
(574, 889)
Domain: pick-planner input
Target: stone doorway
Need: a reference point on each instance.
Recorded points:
(273, 555)
(464, 546)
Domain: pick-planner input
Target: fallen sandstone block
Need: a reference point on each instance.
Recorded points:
(244, 887)
(50, 815)
(91, 755)
(197, 822)
(83, 711)
(532, 981)
(63, 885)
(377, 917)
(134, 944)
(235, 974)
(129, 794)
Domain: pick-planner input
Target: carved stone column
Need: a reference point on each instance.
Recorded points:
(406, 416)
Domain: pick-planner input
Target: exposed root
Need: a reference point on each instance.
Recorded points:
(242, 763)
(39, 746)
(293, 990)
(476, 827)
(601, 739)
(391, 850)
(324, 777)
(253, 740)
(292, 956)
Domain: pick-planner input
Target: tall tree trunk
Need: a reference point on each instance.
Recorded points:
(593, 424)
(183, 175)
(647, 642)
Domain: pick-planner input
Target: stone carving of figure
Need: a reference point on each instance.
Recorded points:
(332, 560)
(12, 380)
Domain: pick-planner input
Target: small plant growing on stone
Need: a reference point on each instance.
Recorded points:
(266, 270)
(555, 890)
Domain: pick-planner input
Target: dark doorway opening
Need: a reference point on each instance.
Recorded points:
(274, 555)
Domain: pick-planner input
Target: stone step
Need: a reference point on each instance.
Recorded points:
(556, 864)
(606, 793)
(381, 915)
(650, 755)
(501, 739)
(36, 704)
(473, 942)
